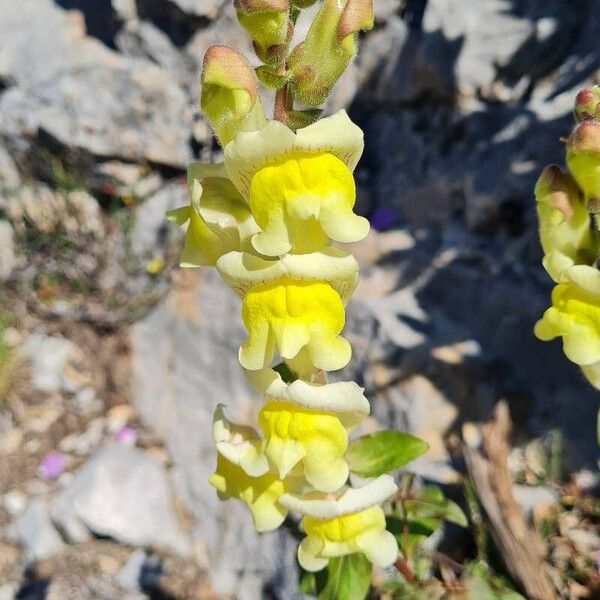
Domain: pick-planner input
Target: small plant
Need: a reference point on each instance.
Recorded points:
(568, 207)
(267, 219)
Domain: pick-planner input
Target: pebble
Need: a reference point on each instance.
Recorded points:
(11, 441)
(87, 402)
(14, 502)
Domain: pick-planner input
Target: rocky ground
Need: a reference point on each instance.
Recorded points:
(112, 359)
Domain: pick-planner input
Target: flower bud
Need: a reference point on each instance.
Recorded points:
(317, 63)
(583, 159)
(267, 22)
(564, 223)
(229, 94)
(586, 104)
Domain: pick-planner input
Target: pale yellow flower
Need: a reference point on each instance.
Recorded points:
(219, 220)
(574, 316)
(241, 271)
(352, 522)
(299, 185)
(260, 494)
(288, 316)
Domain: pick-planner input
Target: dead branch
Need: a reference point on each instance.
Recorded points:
(519, 544)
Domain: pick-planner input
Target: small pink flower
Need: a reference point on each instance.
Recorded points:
(126, 435)
(52, 465)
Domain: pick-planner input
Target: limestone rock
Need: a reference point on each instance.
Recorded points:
(83, 94)
(123, 493)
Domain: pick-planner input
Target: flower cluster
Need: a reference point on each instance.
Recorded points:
(568, 207)
(266, 219)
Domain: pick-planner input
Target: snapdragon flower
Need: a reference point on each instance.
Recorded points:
(351, 522)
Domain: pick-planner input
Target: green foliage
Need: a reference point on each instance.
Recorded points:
(382, 452)
(432, 504)
(345, 578)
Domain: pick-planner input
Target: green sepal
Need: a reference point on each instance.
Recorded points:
(345, 578)
(303, 3)
(297, 119)
(270, 79)
(378, 453)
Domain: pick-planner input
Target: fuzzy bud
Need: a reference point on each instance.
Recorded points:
(583, 159)
(229, 94)
(586, 104)
(318, 63)
(267, 22)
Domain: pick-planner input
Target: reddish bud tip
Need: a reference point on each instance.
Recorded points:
(585, 137)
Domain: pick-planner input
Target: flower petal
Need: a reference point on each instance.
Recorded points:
(241, 270)
(308, 555)
(239, 444)
(352, 500)
(380, 547)
(344, 398)
(292, 315)
(251, 151)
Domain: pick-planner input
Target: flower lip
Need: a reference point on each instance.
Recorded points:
(252, 150)
(241, 270)
(352, 500)
(345, 398)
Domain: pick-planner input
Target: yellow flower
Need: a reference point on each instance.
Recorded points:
(565, 230)
(354, 522)
(261, 494)
(318, 439)
(302, 201)
(575, 316)
(299, 185)
(308, 424)
(239, 444)
(290, 315)
(219, 219)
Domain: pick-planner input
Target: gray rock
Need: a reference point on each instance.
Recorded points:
(36, 533)
(529, 497)
(206, 8)
(9, 173)
(142, 40)
(83, 94)
(7, 250)
(123, 493)
(183, 364)
(489, 34)
(48, 356)
(8, 591)
(128, 578)
(150, 218)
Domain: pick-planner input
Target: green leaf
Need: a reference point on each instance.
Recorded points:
(346, 578)
(431, 503)
(307, 583)
(411, 532)
(269, 79)
(382, 452)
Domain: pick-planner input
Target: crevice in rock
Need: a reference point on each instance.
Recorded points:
(101, 20)
(33, 590)
(169, 18)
